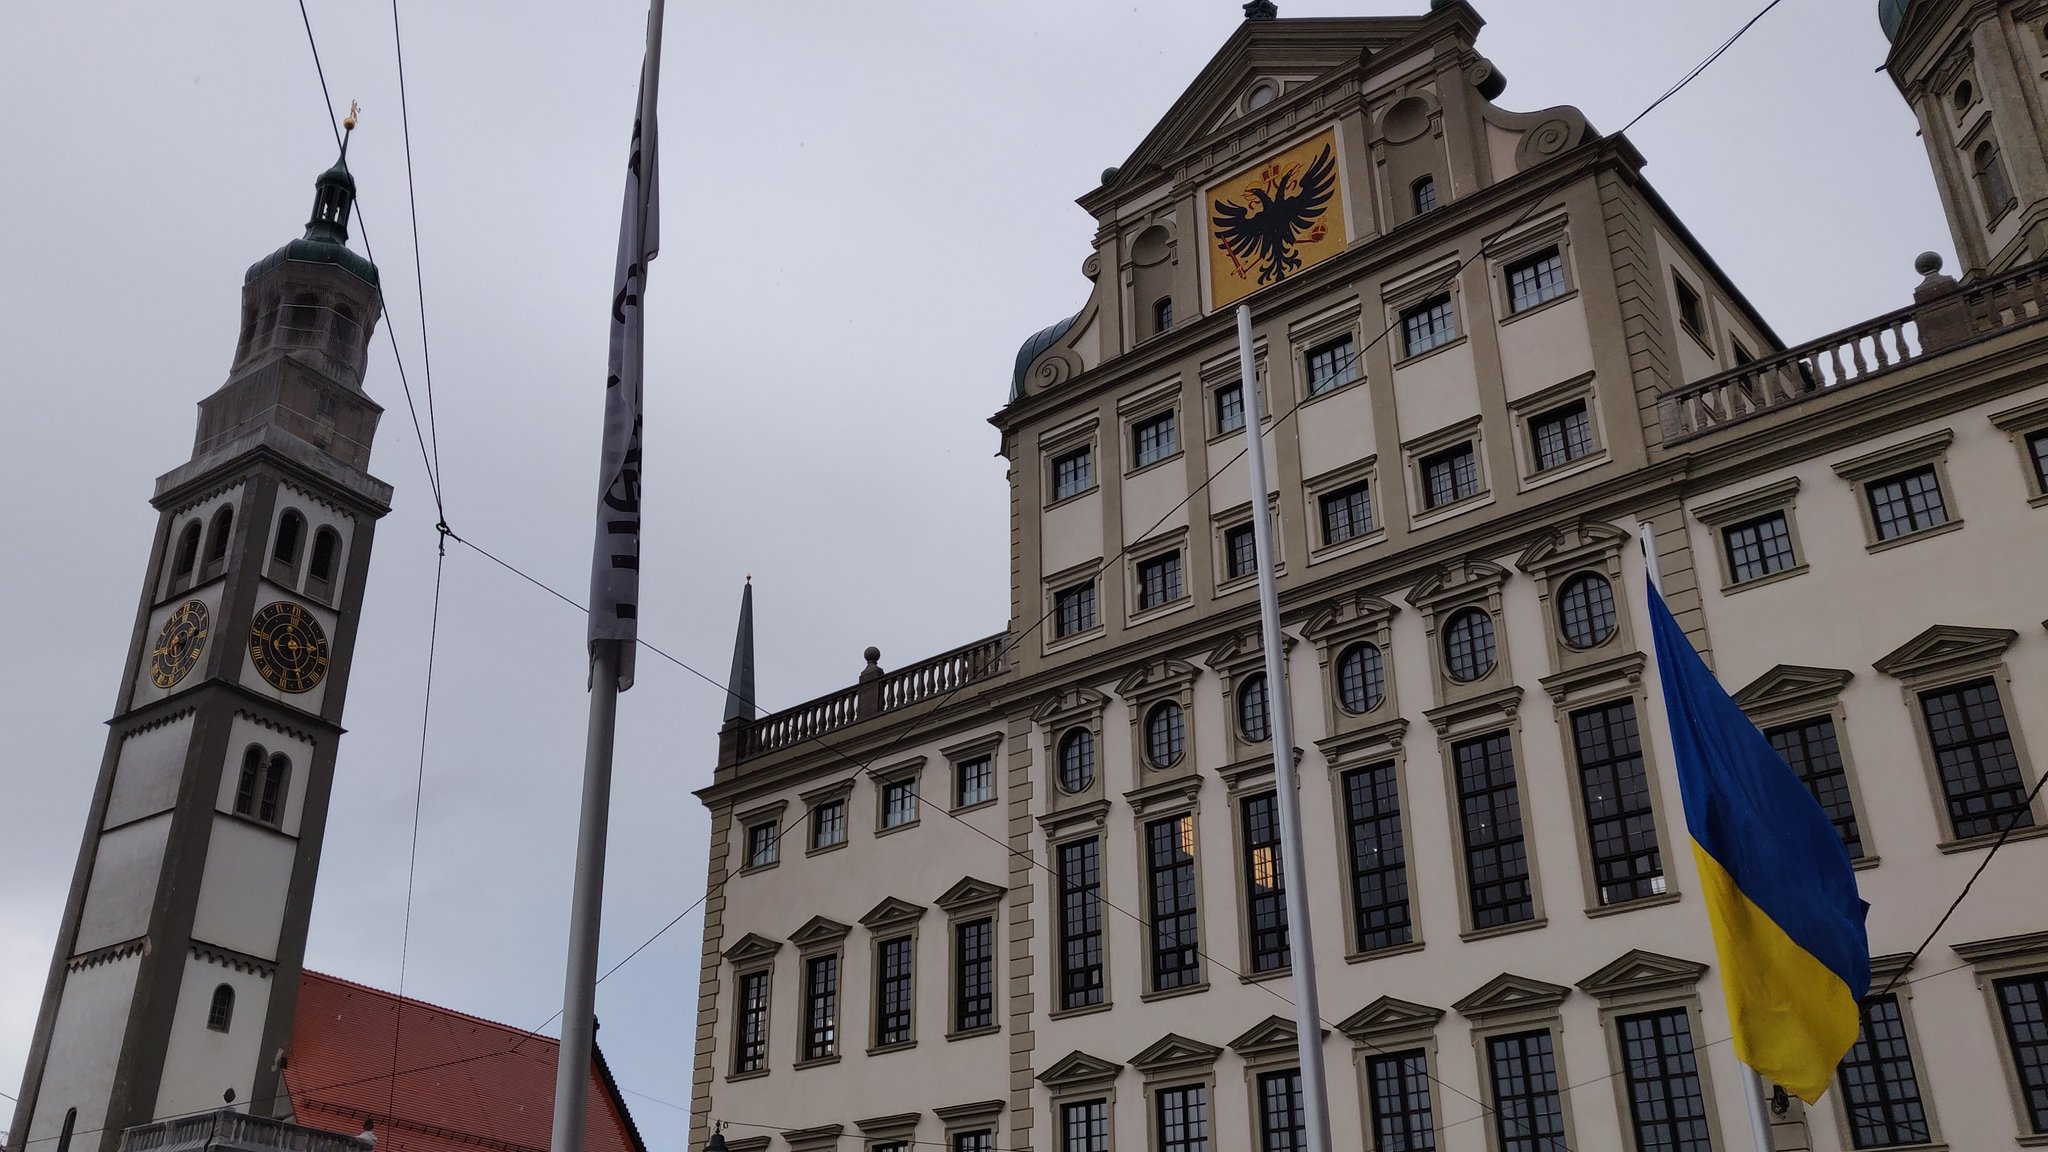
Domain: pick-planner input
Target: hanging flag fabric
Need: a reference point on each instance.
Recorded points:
(615, 557)
(1780, 893)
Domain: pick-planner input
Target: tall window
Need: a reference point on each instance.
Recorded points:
(974, 1000)
(1991, 178)
(1154, 439)
(290, 527)
(1282, 1125)
(1906, 503)
(899, 802)
(1526, 1114)
(763, 843)
(1428, 325)
(2037, 453)
(1166, 734)
(1074, 610)
(1229, 408)
(1080, 868)
(1361, 679)
(1450, 476)
(1490, 815)
(1084, 1126)
(821, 1007)
(2023, 1003)
(1265, 884)
(1254, 720)
(1379, 857)
(974, 781)
(247, 783)
(1347, 513)
(326, 549)
(1184, 1118)
(1159, 581)
(1073, 473)
(1424, 195)
(1402, 1119)
(220, 1013)
(828, 824)
(750, 1046)
(1880, 1087)
(1980, 774)
(1561, 435)
(1690, 312)
(188, 552)
(1170, 879)
(217, 535)
(1077, 760)
(1535, 280)
(1665, 1104)
(270, 802)
(1468, 645)
(1332, 365)
(894, 980)
(1240, 552)
(1811, 749)
(1620, 830)
(1585, 610)
(1758, 547)
(1162, 314)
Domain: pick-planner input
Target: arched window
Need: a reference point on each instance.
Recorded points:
(1585, 610)
(302, 318)
(1077, 760)
(1425, 195)
(1468, 645)
(217, 535)
(270, 804)
(1166, 734)
(188, 552)
(1991, 181)
(246, 784)
(221, 1013)
(326, 548)
(1254, 720)
(290, 527)
(1162, 314)
(1361, 679)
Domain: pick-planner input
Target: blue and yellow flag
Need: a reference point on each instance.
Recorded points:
(1788, 925)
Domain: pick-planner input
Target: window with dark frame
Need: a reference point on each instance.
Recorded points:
(1174, 925)
(188, 552)
(1992, 181)
(1402, 1117)
(821, 1007)
(1084, 1126)
(1166, 734)
(1254, 720)
(1450, 475)
(1183, 1117)
(1162, 314)
(1080, 878)
(1689, 311)
(326, 546)
(974, 981)
(1073, 472)
(1424, 195)
(1907, 503)
(1379, 857)
(290, 527)
(1074, 610)
(1159, 581)
(1346, 513)
(1562, 435)
(1430, 324)
(270, 804)
(1666, 1107)
(1331, 365)
(1535, 280)
(979, 1140)
(763, 843)
(245, 784)
(1621, 830)
(1265, 884)
(1585, 610)
(1974, 755)
(1229, 408)
(1468, 645)
(217, 536)
(1527, 1116)
(1077, 760)
(1240, 552)
(2037, 455)
(1361, 679)
(828, 824)
(974, 781)
(1490, 817)
(1880, 1085)
(1283, 1127)
(2023, 1008)
(899, 802)
(220, 1012)
(894, 983)
(750, 1042)
(1153, 439)
(1757, 548)
(1813, 752)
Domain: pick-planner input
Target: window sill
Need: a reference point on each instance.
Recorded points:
(1533, 309)
(1083, 1010)
(895, 828)
(1154, 464)
(1280, 973)
(736, 1077)
(1061, 643)
(1248, 580)
(764, 866)
(1455, 508)
(1308, 398)
(1567, 469)
(2031, 1140)
(1147, 615)
(1640, 902)
(1062, 501)
(1265, 424)
(816, 1062)
(1171, 993)
(1864, 863)
(1435, 349)
(1876, 546)
(977, 806)
(2040, 501)
(885, 1049)
(1382, 953)
(1951, 847)
(1505, 929)
(824, 848)
(971, 1033)
(1760, 581)
(1345, 547)
(1700, 338)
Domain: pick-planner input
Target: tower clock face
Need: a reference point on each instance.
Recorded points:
(288, 647)
(179, 643)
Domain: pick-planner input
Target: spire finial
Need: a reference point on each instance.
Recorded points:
(334, 191)
(1261, 10)
(739, 687)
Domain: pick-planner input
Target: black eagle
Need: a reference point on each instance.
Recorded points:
(1267, 229)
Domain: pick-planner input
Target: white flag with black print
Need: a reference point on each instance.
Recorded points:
(615, 558)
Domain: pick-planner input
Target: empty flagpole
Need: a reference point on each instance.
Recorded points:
(1752, 1084)
(1308, 1016)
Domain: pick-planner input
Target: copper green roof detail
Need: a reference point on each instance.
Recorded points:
(1891, 16)
(1041, 340)
(326, 238)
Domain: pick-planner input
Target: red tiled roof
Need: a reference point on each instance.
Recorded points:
(463, 1083)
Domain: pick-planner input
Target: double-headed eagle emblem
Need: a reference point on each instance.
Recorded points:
(1283, 209)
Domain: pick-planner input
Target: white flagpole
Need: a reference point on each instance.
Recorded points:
(1308, 1017)
(1752, 1084)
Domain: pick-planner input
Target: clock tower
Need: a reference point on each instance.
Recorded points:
(177, 965)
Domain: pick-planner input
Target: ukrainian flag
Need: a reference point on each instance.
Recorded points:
(1788, 925)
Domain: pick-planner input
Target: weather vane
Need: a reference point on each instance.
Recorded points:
(348, 122)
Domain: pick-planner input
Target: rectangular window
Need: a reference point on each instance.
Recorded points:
(1980, 772)
(1402, 1119)
(1811, 749)
(2023, 1003)
(763, 843)
(1184, 1119)
(1080, 865)
(1153, 439)
(1490, 812)
(821, 1007)
(1282, 1125)
(1347, 513)
(1331, 366)
(750, 1046)
(1450, 476)
(1758, 548)
(1240, 551)
(1621, 832)
(1429, 324)
(1073, 473)
(1170, 876)
(828, 824)
(974, 999)
(1689, 312)
(2037, 453)
(1158, 581)
(1906, 504)
(1526, 1114)
(980, 1140)
(1084, 1126)
(1880, 1087)
(1535, 280)
(899, 803)
(1265, 886)
(894, 978)
(1074, 610)
(1229, 408)
(1561, 435)
(974, 781)
(1379, 857)
(1665, 1104)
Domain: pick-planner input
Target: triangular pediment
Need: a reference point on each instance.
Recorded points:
(1272, 1034)
(891, 913)
(1944, 646)
(1386, 1016)
(1173, 1052)
(1244, 647)
(1153, 675)
(1572, 543)
(819, 930)
(1347, 612)
(1641, 971)
(1508, 992)
(753, 946)
(1455, 578)
(970, 893)
(1793, 684)
(1068, 702)
(1078, 1067)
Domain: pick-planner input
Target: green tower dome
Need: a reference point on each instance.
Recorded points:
(1891, 15)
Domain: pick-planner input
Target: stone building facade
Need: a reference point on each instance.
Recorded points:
(1026, 894)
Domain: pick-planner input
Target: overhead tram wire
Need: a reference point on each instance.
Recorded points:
(419, 277)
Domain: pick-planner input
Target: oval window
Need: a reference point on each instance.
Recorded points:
(1361, 679)
(1468, 645)
(1077, 760)
(1585, 610)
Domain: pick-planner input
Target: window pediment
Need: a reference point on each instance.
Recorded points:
(751, 947)
(1068, 704)
(818, 1139)
(1175, 1053)
(1626, 668)
(1155, 678)
(1497, 707)
(1388, 1016)
(1078, 1067)
(1943, 648)
(970, 893)
(1459, 582)
(892, 913)
(1508, 993)
(1342, 618)
(1640, 971)
(819, 930)
(901, 1124)
(1791, 686)
(2029, 946)
(956, 1113)
(1244, 650)
(1571, 545)
(1275, 1035)
(1375, 742)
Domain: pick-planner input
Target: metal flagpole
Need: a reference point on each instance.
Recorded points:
(579, 989)
(1308, 1017)
(1752, 1084)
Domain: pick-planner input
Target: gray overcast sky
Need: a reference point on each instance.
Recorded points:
(867, 207)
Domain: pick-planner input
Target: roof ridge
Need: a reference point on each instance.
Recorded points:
(393, 997)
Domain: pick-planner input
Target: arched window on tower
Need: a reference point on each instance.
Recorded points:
(1991, 180)
(326, 555)
(276, 773)
(250, 779)
(221, 1013)
(291, 532)
(302, 319)
(343, 333)
(217, 539)
(187, 555)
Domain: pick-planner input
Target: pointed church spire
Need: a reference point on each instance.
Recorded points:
(334, 192)
(739, 687)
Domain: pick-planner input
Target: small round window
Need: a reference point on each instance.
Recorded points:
(1585, 610)
(1260, 97)
(1963, 95)
(1077, 760)
(1254, 721)
(1361, 679)
(1165, 734)
(1468, 645)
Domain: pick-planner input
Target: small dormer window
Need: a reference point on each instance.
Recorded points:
(1425, 195)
